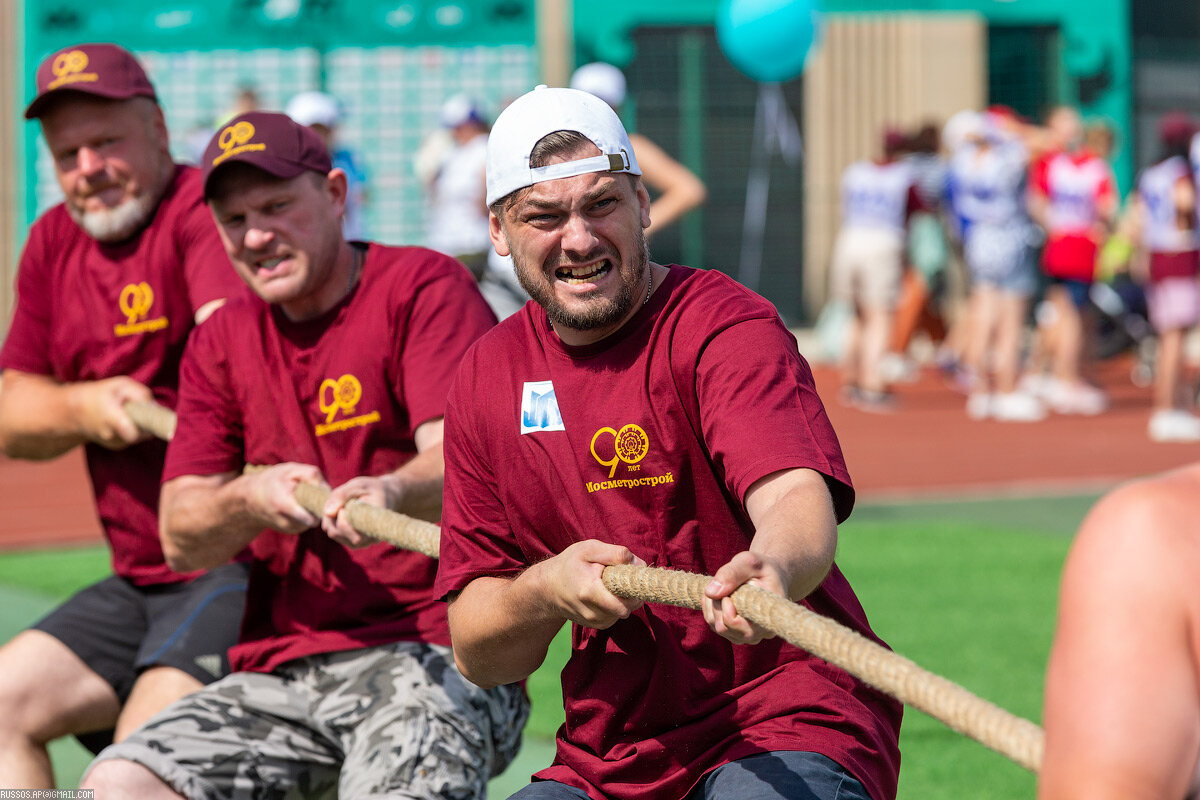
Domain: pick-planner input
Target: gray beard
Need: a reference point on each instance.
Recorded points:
(119, 223)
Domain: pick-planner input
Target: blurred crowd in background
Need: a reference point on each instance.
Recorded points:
(1004, 243)
(993, 247)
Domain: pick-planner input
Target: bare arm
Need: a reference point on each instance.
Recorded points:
(1184, 195)
(678, 188)
(41, 418)
(501, 627)
(1122, 708)
(204, 520)
(795, 537)
(415, 488)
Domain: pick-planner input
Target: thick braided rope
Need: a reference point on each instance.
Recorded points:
(154, 419)
(396, 529)
(1009, 735)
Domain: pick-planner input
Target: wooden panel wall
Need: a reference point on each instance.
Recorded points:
(13, 181)
(871, 72)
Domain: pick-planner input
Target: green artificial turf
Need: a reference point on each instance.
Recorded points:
(57, 574)
(965, 589)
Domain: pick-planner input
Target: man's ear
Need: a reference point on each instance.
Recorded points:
(643, 196)
(496, 232)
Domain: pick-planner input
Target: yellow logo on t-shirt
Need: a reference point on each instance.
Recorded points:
(235, 138)
(135, 303)
(342, 396)
(629, 445)
(69, 68)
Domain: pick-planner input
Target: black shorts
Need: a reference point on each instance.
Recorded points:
(119, 629)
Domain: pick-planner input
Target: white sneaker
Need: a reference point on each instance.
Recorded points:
(1174, 425)
(1017, 407)
(895, 368)
(1036, 384)
(979, 405)
(1076, 398)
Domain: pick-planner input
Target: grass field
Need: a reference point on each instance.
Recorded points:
(966, 589)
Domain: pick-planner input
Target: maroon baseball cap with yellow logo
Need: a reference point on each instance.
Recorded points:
(274, 143)
(103, 70)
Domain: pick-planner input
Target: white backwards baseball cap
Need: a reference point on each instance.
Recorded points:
(535, 115)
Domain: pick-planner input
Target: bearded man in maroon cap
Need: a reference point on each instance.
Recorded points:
(111, 282)
(335, 371)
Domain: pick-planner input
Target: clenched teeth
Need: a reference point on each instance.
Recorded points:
(577, 275)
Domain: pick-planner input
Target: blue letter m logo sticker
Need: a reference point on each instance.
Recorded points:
(539, 408)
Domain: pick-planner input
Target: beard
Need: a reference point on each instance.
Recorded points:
(122, 221)
(118, 223)
(598, 312)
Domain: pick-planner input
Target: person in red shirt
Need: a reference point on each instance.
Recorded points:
(641, 413)
(1073, 197)
(335, 371)
(111, 282)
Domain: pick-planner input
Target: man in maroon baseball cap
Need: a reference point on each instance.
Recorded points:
(334, 371)
(103, 70)
(271, 142)
(111, 283)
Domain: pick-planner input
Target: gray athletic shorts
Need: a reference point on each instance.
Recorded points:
(395, 721)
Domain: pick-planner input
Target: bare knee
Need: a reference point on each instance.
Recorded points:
(119, 779)
(46, 691)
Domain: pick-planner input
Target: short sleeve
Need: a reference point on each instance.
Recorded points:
(25, 345)
(760, 413)
(447, 316)
(207, 269)
(476, 539)
(209, 438)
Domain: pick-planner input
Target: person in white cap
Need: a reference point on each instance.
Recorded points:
(635, 413)
(323, 113)
(457, 216)
(457, 223)
(677, 189)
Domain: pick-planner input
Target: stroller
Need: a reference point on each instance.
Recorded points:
(1124, 324)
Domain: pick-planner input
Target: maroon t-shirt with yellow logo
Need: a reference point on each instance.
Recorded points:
(88, 311)
(344, 392)
(650, 439)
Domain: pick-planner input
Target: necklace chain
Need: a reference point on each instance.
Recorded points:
(649, 284)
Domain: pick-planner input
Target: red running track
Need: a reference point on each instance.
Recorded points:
(926, 448)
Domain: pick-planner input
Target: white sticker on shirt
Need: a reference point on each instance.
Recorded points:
(539, 408)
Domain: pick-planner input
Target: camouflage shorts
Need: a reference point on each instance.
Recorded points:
(396, 721)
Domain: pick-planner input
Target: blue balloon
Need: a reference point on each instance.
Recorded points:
(768, 40)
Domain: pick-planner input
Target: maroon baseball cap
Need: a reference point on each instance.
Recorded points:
(275, 143)
(103, 70)
(1176, 128)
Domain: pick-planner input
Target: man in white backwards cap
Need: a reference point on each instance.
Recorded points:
(639, 413)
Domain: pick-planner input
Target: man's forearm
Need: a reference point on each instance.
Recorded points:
(417, 486)
(204, 524)
(36, 421)
(797, 530)
(501, 629)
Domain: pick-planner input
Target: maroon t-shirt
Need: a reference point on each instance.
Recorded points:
(87, 311)
(650, 439)
(344, 392)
